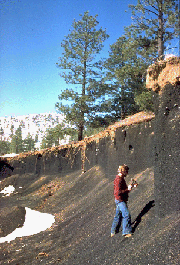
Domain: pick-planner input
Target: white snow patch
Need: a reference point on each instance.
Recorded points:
(8, 190)
(35, 222)
(167, 56)
(10, 155)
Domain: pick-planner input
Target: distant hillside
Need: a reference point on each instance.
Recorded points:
(33, 124)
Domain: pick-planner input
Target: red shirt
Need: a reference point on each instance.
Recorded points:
(120, 189)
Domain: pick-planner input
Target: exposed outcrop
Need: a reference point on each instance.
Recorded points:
(128, 141)
(162, 73)
(164, 79)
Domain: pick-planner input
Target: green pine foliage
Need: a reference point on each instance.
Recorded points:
(17, 142)
(28, 143)
(18, 145)
(154, 25)
(54, 135)
(108, 90)
(4, 147)
(82, 69)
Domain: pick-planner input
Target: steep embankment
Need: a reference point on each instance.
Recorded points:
(83, 206)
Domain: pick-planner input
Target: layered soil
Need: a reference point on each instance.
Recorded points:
(163, 72)
(83, 206)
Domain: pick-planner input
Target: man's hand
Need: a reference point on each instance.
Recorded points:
(134, 183)
(130, 187)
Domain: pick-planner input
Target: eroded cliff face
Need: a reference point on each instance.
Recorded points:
(163, 78)
(162, 73)
(128, 141)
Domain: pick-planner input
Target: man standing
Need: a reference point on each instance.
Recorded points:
(121, 191)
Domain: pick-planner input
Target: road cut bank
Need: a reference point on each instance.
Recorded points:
(163, 78)
(130, 141)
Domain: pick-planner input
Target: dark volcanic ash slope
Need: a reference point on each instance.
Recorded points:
(83, 206)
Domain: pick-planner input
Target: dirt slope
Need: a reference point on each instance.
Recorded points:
(83, 206)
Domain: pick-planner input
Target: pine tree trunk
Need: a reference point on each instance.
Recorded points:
(160, 30)
(81, 123)
(80, 132)
(122, 104)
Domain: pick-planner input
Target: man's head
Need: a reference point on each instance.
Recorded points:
(123, 170)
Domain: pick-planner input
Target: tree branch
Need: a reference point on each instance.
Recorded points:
(155, 8)
(151, 11)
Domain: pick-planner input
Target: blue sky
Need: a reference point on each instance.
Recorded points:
(31, 35)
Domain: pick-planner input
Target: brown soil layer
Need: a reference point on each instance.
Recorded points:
(162, 73)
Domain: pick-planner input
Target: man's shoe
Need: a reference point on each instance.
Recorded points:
(128, 235)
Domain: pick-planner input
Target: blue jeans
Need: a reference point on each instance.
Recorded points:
(122, 216)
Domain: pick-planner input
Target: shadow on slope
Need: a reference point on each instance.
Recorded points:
(145, 210)
(83, 206)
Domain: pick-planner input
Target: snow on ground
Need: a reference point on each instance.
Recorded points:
(8, 190)
(9, 155)
(35, 222)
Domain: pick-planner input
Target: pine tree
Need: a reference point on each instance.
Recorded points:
(121, 66)
(17, 142)
(1, 133)
(82, 70)
(155, 24)
(28, 143)
(13, 145)
(4, 147)
(55, 135)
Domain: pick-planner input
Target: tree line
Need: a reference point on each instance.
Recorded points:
(101, 91)
(52, 137)
(17, 144)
